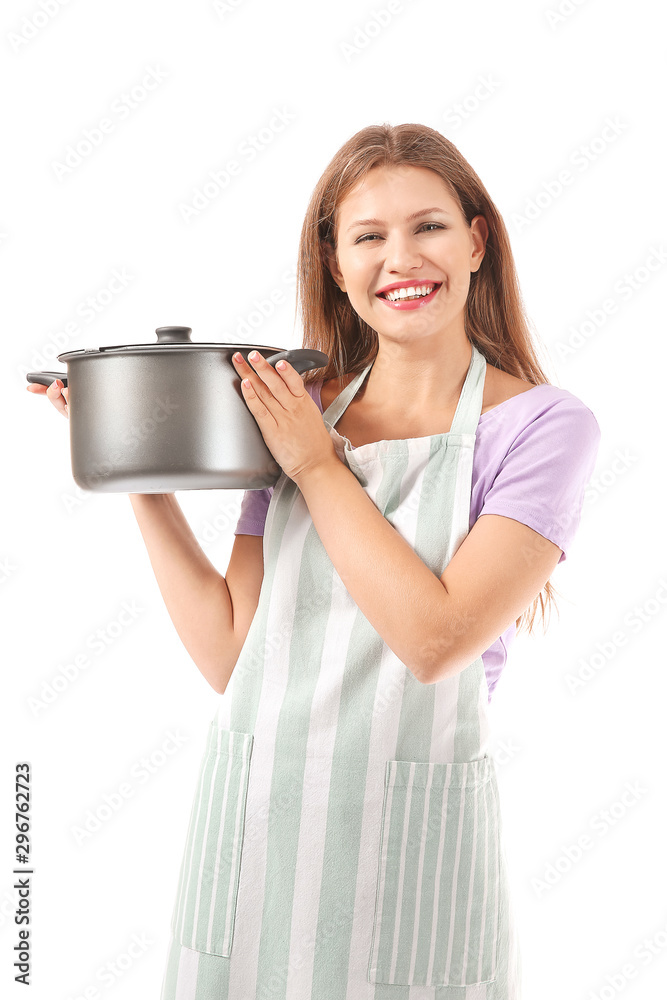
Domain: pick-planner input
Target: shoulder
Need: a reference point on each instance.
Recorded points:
(544, 402)
(500, 386)
(545, 425)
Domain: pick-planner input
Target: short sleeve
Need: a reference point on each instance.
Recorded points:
(254, 506)
(542, 479)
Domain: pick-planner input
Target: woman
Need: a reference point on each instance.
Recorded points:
(345, 837)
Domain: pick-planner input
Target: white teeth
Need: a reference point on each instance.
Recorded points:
(404, 293)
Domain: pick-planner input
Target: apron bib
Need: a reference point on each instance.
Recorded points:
(345, 837)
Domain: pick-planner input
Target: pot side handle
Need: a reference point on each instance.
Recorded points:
(301, 359)
(46, 378)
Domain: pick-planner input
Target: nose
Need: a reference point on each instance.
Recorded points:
(401, 252)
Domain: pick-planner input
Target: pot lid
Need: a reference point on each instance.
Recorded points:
(168, 338)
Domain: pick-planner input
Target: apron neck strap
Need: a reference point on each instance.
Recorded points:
(335, 411)
(468, 408)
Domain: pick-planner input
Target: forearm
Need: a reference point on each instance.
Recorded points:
(194, 591)
(398, 594)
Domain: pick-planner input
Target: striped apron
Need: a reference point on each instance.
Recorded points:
(345, 836)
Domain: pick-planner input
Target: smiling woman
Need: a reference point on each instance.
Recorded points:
(417, 249)
(347, 795)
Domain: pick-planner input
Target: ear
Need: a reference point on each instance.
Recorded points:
(479, 230)
(328, 252)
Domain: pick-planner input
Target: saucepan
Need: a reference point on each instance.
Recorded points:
(166, 416)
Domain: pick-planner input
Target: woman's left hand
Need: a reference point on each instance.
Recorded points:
(287, 415)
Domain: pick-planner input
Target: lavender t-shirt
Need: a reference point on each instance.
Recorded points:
(534, 456)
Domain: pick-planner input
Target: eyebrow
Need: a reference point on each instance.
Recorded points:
(409, 218)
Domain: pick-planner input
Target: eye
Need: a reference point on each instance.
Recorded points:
(371, 236)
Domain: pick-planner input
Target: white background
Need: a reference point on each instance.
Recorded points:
(536, 92)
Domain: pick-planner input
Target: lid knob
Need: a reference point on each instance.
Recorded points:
(174, 334)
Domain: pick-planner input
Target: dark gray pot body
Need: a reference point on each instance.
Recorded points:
(160, 418)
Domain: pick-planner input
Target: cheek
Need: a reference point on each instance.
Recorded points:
(360, 279)
(361, 299)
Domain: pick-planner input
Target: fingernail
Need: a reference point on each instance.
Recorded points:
(55, 384)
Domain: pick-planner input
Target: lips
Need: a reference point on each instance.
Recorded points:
(406, 304)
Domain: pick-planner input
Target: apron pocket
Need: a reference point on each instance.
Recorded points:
(205, 908)
(437, 902)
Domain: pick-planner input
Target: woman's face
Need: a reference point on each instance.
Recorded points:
(437, 247)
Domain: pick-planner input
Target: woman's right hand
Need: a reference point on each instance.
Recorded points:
(56, 393)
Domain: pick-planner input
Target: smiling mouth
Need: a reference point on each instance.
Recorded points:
(409, 294)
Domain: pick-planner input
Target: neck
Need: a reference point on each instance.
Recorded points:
(418, 380)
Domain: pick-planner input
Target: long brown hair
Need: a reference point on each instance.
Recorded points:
(494, 317)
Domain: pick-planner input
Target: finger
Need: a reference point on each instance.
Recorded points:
(290, 375)
(256, 387)
(275, 380)
(54, 393)
(254, 401)
(243, 369)
(245, 373)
